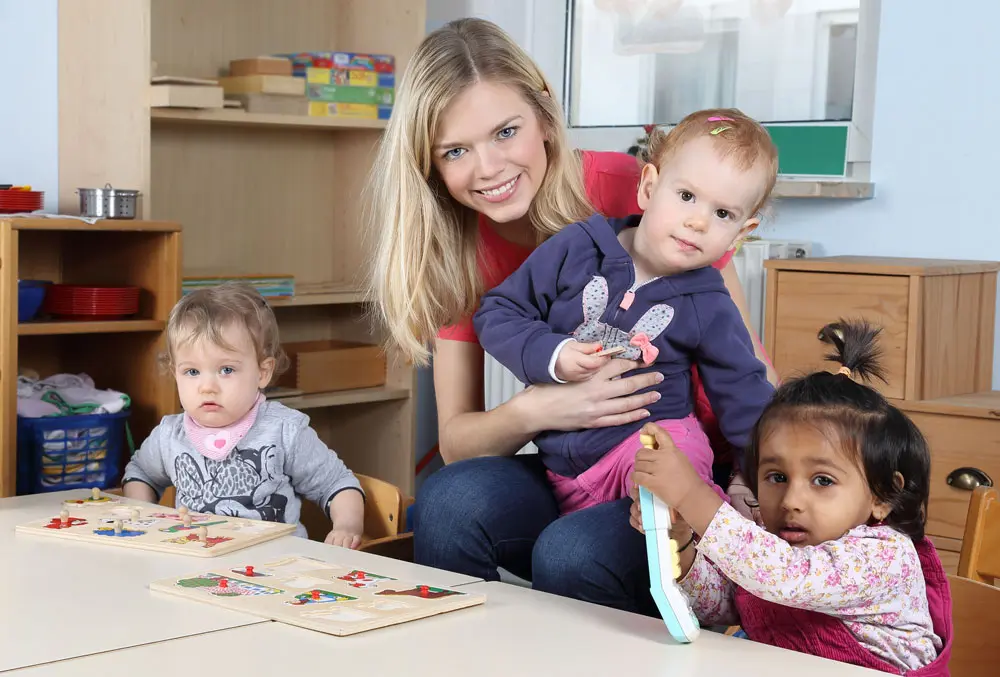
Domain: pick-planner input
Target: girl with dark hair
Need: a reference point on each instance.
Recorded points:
(841, 567)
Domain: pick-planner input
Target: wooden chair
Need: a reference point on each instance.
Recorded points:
(975, 601)
(980, 556)
(385, 518)
(975, 616)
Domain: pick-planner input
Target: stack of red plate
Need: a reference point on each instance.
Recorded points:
(17, 201)
(79, 302)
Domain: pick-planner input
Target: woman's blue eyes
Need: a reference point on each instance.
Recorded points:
(503, 135)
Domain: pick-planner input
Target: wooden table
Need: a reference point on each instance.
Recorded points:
(62, 599)
(517, 632)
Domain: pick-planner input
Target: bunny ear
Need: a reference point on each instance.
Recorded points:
(595, 299)
(654, 321)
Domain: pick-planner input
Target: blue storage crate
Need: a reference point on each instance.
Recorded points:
(69, 452)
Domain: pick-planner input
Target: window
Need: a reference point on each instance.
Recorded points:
(806, 68)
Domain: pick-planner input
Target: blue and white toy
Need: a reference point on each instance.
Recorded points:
(664, 564)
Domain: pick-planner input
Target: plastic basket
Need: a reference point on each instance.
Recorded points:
(69, 452)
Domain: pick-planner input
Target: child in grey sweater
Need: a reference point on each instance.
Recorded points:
(232, 452)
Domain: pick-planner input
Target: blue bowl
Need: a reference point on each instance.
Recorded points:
(30, 294)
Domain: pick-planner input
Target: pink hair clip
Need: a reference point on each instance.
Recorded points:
(719, 118)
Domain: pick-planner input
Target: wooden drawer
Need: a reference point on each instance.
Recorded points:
(936, 318)
(326, 366)
(808, 301)
(960, 435)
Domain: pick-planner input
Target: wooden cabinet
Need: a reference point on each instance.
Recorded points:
(936, 318)
(963, 433)
(937, 321)
(257, 193)
(122, 355)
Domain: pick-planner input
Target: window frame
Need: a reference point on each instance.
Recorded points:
(549, 42)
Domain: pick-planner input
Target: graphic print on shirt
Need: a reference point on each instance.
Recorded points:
(647, 328)
(244, 484)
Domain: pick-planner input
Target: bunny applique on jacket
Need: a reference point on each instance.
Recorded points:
(580, 285)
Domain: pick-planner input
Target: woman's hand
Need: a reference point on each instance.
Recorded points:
(601, 401)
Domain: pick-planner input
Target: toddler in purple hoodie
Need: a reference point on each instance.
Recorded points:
(645, 284)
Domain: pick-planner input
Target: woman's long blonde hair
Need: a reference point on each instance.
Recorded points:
(425, 273)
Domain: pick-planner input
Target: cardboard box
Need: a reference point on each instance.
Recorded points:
(354, 78)
(261, 65)
(357, 111)
(185, 96)
(273, 104)
(348, 94)
(263, 84)
(326, 366)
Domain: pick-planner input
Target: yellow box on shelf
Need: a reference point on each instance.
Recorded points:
(365, 111)
(353, 78)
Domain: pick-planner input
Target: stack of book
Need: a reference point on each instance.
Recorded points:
(269, 286)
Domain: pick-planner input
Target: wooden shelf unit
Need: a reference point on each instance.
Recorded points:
(121, 355)
(255, 193)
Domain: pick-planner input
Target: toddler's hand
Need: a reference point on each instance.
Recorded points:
(577, 361)
(665, 471)
(680, 530)
(344, 538)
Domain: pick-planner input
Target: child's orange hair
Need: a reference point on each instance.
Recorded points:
(738, 138)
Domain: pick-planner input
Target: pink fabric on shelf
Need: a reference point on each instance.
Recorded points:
(611, 478)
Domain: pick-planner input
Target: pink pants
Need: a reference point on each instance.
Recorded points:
(611, 478)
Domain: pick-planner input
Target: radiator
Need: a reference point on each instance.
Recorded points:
(501, 384)
(749, 264)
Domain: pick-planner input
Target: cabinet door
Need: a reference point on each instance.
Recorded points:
(956, 442)
(805, 302)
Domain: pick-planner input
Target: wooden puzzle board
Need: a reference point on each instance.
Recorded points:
(152, 527)
(316, 595)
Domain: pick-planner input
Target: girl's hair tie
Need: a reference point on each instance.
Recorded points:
(845, 371)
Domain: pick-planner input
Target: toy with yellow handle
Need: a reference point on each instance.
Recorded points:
(664, 564)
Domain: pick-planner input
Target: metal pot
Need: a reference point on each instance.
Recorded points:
(108, 202)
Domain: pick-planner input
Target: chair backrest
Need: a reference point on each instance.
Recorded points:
(980, 557)
(383, 508)
(975, 614)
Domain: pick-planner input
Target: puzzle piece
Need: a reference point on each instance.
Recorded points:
(422, 591)
(124, 533)
(194, 538)
(58, 523)
(363, 579)
(175, 528)
(223, 586)
(316, 596)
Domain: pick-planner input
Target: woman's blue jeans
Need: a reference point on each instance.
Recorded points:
(476, 515)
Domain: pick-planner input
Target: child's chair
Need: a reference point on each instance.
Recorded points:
(980, 557)
(975, 601)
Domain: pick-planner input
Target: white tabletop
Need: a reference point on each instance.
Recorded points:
(517, 632)
(63, 599)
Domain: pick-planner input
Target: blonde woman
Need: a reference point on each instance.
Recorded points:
(473, 172)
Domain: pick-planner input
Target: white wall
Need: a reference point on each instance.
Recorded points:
(934, 146)
(29, 118)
